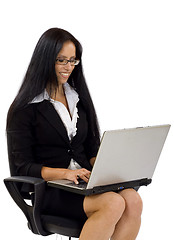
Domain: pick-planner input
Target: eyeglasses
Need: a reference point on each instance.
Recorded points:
(62, 61)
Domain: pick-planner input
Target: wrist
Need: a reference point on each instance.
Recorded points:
(65, 173)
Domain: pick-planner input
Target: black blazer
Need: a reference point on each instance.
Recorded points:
(37, 137)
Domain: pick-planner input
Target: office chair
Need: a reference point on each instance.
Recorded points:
(38, 223)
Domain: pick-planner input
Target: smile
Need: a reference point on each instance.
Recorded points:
(65, 74)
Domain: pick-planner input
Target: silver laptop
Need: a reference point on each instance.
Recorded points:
(126, 158)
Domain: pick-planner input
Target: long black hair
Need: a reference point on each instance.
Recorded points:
(41, 73)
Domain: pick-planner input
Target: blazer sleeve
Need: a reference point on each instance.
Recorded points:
(21, 141)
(91, 145)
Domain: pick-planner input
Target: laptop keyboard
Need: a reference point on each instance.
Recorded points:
(82, 184)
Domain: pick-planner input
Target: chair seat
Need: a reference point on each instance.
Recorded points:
(62, 226)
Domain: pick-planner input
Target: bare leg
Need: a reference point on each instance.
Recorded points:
(103, 211)
(129, 224)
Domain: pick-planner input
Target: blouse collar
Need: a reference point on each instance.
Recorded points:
(71, 96)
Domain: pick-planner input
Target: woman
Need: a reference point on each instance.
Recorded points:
(53, 131)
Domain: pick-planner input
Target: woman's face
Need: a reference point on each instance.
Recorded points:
(67, 52)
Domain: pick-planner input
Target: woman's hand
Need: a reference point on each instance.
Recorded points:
(50, 174)
(74, 175)
(92, 161)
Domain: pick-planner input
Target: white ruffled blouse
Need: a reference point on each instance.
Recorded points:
(70, 122)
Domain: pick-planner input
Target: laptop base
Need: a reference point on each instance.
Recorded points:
(101, 189)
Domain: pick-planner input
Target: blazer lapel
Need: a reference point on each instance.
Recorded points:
(49, 112)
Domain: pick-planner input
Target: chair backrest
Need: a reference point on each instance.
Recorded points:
(24, 188)
(12, 166)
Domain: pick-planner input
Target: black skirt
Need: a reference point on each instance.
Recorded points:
(58, 202)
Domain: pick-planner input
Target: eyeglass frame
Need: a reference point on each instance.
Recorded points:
(77, 61)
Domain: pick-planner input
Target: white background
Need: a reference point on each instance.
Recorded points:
(128, 63)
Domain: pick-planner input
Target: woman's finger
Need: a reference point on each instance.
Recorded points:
(84, 177)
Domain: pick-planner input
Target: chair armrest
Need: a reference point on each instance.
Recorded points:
(32, 213)
(24, 179)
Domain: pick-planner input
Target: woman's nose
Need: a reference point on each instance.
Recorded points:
(68, 66)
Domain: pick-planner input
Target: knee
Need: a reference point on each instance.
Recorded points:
(134, 204)
(114, 204)
(110, 206)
